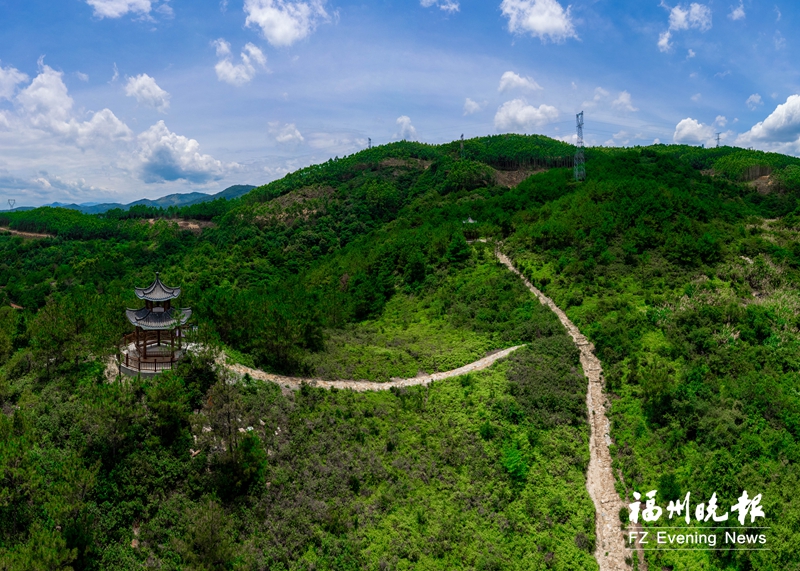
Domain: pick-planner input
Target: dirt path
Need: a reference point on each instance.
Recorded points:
(26, 234)
(610, 551)
(294, 383)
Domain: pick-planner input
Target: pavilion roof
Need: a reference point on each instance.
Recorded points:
(157, 291)
(151, 320)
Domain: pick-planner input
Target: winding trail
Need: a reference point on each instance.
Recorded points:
(610, 550)
(295, 382)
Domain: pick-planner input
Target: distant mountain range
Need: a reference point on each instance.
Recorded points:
(164, 202)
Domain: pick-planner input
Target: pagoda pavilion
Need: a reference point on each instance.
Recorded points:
(156, 345)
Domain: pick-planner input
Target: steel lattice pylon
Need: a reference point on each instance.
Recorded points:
(580, 159)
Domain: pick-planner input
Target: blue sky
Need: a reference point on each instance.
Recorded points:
(116, 100)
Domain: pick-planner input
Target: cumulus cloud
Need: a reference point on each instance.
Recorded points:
(284, 22)
(518, 115)
(721, 120)
(754, 101)
(544, 19)
(166, 156)
(782, 125)
(695, 16)
(623, 102)
(10, 77)
(407, 130)
(46, 105)
(147, 92)
(471, 106)
(737, 12)
(691, 132)
(287, 133)
(240, 73)
(118, 8)
(445, 5)
(511, 80)
(691, 54)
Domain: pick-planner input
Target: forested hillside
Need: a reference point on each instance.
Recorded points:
(683, 274)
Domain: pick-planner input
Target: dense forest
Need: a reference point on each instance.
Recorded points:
(681, 271)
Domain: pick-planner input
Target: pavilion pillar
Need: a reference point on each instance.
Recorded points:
(158, 337)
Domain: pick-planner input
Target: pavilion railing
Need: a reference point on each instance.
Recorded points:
(161, 350)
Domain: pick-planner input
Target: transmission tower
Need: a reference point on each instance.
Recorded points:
(462, 145)
(11, 203)
(580, 159)
(718, 134)
(369, 142)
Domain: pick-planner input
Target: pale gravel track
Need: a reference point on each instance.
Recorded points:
(610, 550)
(294, 383)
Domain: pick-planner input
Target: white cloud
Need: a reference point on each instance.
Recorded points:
(518, 115)
(511, 80)
(691, 54)
(721, 121)
(695, 16)
(46, 105)
(692, 132)
(623, 102)
(754, 101)
(599, 94)
(663, 41)
(545, 19)
(287, 133)
(407, 130)
(284, 22)
(336, 142)
(115, 77)
(696, 97)
(165, 10)
(10, 77)
(82, 76)
(782, 125)
(118, 8)
(445, 5)
(780, 41)
(471, 106)
(240, 73)
(166, 156)
(737, 12)
(146, 91)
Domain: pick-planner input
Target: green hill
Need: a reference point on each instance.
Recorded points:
(683, 274)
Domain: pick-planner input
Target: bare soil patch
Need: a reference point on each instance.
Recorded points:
(513, 178)
(195, 226)
(764, 185)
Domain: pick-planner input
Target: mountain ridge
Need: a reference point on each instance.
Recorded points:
(175, 199)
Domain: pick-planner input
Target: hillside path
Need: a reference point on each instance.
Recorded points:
(295, 382)
(610, 550)
(25, 234)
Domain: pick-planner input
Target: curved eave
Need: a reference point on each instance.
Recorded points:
(153, 321)
(157, 291)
